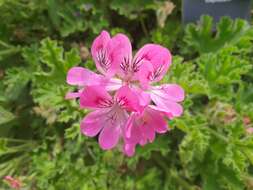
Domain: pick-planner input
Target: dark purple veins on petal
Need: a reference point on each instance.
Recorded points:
(136, 64)
(103, 60)
(105, 103)
(125, 64)
(155, 74)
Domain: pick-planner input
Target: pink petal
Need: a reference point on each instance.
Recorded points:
(145, 73)
(109, 136)
(99, 51)
(129, 149)
(160, 58)
(120, 52)
(108, 53)
(82, 77)
(148, 132)
(127, 99)
(129, 125)
(166, 102)
(113, 84)
(132, 131)
(155, 120)
(170, 92)
(93, 123)
(95, 97)
(143, 98)
(171, 109)
(72, 95)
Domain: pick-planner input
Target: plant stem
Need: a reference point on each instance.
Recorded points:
(216, 134)
(181, 181)
(16, 140)
(9, 51)
(169, 172)
(143, 26)
(4, 44)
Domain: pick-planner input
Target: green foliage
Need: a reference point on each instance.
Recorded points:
(131, 9)
(207, 148)
(223, 69)
(5, 116)
(202, 39)
(72, 17)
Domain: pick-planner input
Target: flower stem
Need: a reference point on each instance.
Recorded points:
(162, 164)
(143, 26)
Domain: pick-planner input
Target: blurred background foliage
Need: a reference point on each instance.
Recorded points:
(209, 148)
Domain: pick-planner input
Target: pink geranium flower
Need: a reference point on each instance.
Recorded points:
(14, 183)
(113, 56)
(123, 97)
(106, 53)
(110, 114)
(142, 127)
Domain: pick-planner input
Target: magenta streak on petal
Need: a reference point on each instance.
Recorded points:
(125, 65)
(103, 60)
(156, 73)
(122, 101)
(104, 103)
(136, 64)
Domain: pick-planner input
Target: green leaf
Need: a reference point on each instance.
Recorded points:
(15, 81)
(52, 11)
(186, 75)
(77, 16)
(201, 37)
(132, 8)
(49, 86)
(223, 69)
(211, 182)
(5, 116)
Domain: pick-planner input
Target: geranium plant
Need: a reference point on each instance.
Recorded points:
(125, 103)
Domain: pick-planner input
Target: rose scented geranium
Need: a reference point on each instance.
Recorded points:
(126, 105)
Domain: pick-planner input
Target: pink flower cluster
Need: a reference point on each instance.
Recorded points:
(125, 105)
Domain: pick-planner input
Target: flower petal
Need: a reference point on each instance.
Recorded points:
(170, 92)
(132, 131)
(155, 119)
(72, 95)
(93, 123)
(145, 73)
(120, 53)
(127, 99)
(95, 97)
(109, 136)
(148, 132)
(108, 53)
(83, 77)
(170, 109)
(112, 84)
(160, 58)
(166, 100)
(100, 52)
(129, 149)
